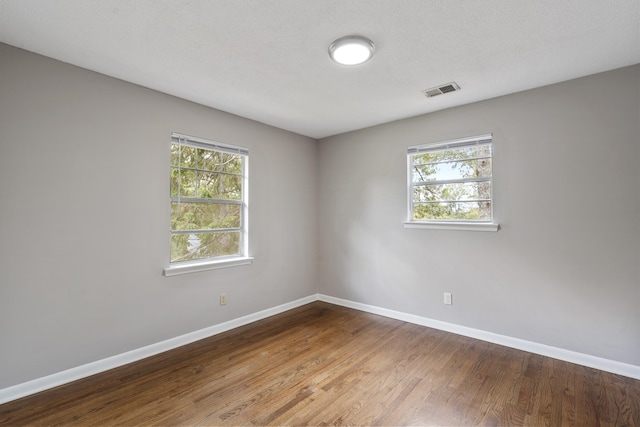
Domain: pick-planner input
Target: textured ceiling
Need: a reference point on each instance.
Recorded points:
(267, 59)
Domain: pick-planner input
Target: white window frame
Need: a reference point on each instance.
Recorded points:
(463, 225)
(182, 267)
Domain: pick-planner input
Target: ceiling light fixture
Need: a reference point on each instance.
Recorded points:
(351, 50)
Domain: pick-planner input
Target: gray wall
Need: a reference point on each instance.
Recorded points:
(84, 217)
(563, 271)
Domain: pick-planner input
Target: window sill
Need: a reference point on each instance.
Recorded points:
(175, 270)
(459, 226)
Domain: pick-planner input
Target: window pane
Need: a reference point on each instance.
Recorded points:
(204, 216)
(452, 170)
(184, 181)
(462, 153)
(208, 185)
(175, 150)
(187, 247)
(231, 163)
(201, 175)
(173, 182)
(446, 193)
(231, 187)
(454, 191)
(187, 157)
(453, 211)
(209, 159)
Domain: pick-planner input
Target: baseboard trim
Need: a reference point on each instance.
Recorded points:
(54, 380)
(627, 370)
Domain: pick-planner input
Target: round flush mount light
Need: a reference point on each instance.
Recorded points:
(351, 50)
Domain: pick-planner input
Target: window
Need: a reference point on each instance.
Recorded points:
(450, 183)
(208, 192)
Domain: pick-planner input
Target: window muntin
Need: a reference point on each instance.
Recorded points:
(208, 193)
(451, 181)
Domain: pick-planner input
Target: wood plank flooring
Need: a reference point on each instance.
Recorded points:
(322, 364)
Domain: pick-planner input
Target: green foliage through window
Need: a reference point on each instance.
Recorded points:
(208, 205)
(452, 181)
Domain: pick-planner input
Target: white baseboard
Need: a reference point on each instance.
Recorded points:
(625, 369)
(40, 384)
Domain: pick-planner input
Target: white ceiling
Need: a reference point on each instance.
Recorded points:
(267, 59)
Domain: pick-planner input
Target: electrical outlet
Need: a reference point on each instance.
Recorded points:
(223, 299)
(447, 298)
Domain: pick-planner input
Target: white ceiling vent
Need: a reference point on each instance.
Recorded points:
(440, 90)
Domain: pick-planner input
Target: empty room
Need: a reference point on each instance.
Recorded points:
(320, 212)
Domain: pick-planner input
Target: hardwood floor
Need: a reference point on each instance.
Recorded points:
(322, 364)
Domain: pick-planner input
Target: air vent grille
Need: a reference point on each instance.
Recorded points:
(440, 90)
